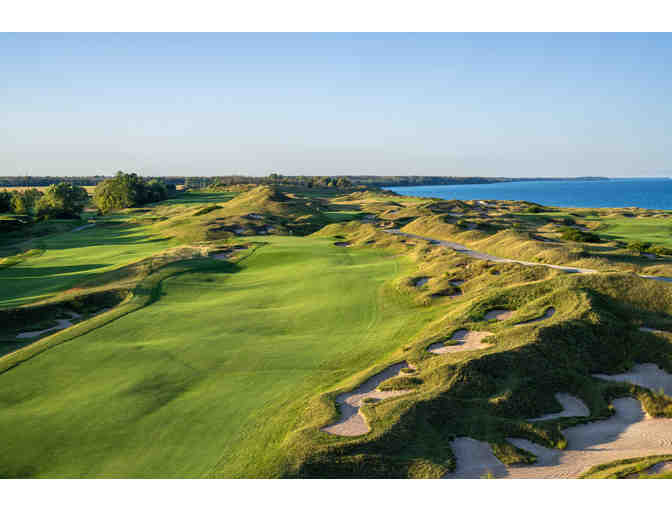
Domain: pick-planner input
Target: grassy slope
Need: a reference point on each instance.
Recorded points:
(176, 388)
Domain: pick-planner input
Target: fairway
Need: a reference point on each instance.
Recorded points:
(650, 230)
(68, 259)
(208, 380)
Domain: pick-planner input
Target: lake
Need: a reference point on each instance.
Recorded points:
(645, 193)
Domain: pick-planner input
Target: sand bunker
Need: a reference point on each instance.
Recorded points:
(547, 315)
(475, 460)
(627, 434)
(657, 278)
(83, 227)
(467, 341)
(500, 315)
(657, 469)
(419, 282)
(647, 375)
(228, 253)
(571, 406)
(61, 324)
(651, 330)
(351, 421)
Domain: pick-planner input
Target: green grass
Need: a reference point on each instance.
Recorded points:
(68, 259)
(652, 230)
(211, 378)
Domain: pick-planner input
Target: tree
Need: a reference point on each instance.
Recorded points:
(5, 201)
(128, 190)
(638, 246)
(19, 203)
(62, 200)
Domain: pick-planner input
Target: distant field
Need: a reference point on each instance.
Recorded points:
(89, 189)
(209, 379)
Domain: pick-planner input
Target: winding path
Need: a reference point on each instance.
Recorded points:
(460, 248)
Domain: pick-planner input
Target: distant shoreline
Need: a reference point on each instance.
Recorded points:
(453, 181)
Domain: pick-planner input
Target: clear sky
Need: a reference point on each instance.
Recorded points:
(389, 104)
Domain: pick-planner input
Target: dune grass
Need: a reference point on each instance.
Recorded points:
(210, 378)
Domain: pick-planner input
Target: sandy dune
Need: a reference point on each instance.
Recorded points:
(351, 421)
(571, 406)
(468, 341)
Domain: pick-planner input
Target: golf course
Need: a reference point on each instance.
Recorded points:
(281, 331)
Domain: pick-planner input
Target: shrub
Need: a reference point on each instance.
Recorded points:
(534, 209)
(574, 234)
(638, 246)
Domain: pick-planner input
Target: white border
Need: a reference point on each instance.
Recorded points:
(342, 15)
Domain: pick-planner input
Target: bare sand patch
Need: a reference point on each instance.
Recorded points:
(467, 341)
(547, 315)
(475, 460)
(647, 375)
(352, 421)
(60, 324)
(498, 314)
(571, 406)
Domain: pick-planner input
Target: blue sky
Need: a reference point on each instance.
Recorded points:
(428, 104)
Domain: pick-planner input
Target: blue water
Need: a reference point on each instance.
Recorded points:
(645, 193)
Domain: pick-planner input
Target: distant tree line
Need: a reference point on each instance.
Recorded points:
(274, 178)
(129, 190)
(27, 181)
(62, 200)
(419, 180)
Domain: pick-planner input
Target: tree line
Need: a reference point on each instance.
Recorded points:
(67, 201)
(63, 200)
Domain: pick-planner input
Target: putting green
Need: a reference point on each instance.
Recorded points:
(209, 379)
